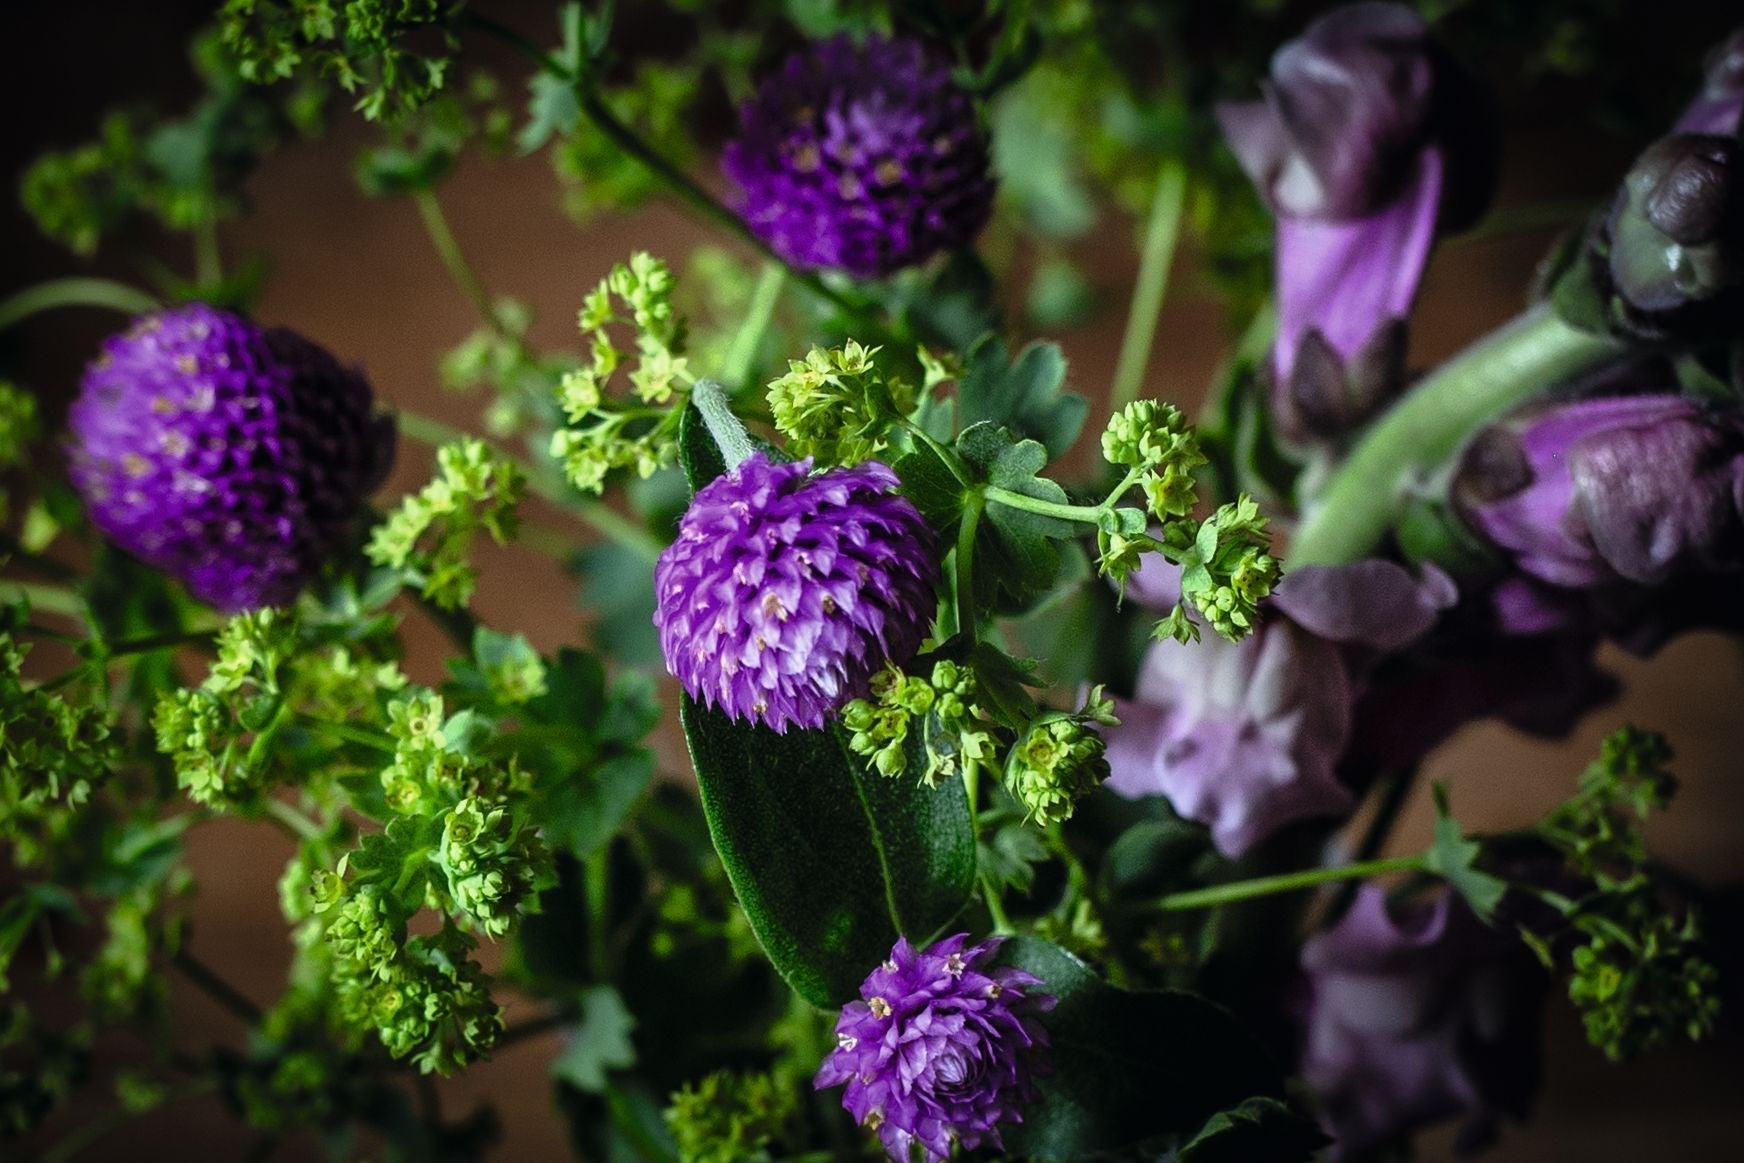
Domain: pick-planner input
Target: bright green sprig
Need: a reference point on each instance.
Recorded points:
(430, 535)
(1225, 570)
(55, 748)
(836, 406)
(938, 711)
(603, 434)
(731, 1117)
(1060, 759)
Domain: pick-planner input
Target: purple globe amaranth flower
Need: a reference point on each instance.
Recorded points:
(1630, 488)
(231, 456)
(941, 1048)
(1414, 1016)
(862, 157)
(1246, 736)
(1717, 108)
(1368, 140)
(786, 591)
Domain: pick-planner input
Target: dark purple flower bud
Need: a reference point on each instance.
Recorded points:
(1417, 1016)
(1350, 106)
(865, 158)
(233, 457)
(1246, 736)
(940, 1049)
(1673, 243)
(1718, 106)
(786, 591)
(1632, 488)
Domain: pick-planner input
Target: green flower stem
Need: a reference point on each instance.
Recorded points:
(1088, 514)
(973, 505)
(1162, 232)
(943, 451)
(1357, 507)
(49, 599)
(122, 647)
(208, 254)
(603, 519)
(710, 398)
(351, 734)
(465, 278)
(216, 987)
(749, 338)
(596, 881)
(78, 292)
(990, 893)
(295, 822)
(1241, 890)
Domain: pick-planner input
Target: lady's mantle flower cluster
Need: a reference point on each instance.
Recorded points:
(836, 406)
(786, 591)
(941, 1049)
(231, 456)
(602, 434)
(430, 535)
(865, 158)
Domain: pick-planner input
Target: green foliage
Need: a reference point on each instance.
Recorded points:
(361, 45)
(731, 1117)
(1454, 858)
(1260, 1128)
(55, 750)
(1026, 395)
(600, 1044)
(429, 537)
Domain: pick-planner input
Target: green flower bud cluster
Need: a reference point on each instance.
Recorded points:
(1225, 572)
(55, 747)
(1637, 971)
(731, 1117)
(835, 405)
(491, 863)
(121, 983)
(18, 431)
(1154, 440)
(429, 537)
(1059, 760)
(951, 733)
(602, 434)
(429, 1003)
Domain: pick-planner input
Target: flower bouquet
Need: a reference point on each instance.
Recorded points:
(955, 765)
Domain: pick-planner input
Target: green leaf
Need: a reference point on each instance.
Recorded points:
(1258, 1129)
(1016, 560)
(935, 490)
(1026, 395)
(600, 1044)
(1129, 1067)
(1454, 858)
(829, 860)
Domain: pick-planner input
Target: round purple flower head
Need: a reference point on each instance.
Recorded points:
(940, 1049)
(231, 456)
(861, 157)
(785, 592)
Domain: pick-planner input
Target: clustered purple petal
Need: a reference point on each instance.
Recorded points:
(786, 591)
(231, 456)
(863, 157)
(941, 1049)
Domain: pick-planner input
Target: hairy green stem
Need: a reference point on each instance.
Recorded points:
(1087, 514)
(1241, 890)
(76, 292)
(448, 249)
(605, 520)
(730, 436)
(1162, 232)
(973, 504)
(1357, 508)
(746, 341)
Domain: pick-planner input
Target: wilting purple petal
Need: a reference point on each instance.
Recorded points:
(1369, 603)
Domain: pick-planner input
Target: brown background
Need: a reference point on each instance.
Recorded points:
(357, 275)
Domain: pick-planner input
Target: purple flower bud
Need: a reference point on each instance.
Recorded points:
(941, 1049)
(786, 591)
(862, 157)
(1245, 737)
(230, 456)
(1350, 106)
(1671, 251)
(1717, 107)
(1414, 1017)
(1637, 488)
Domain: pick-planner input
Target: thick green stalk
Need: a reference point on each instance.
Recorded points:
(1241, 890)
(1162, 232)
(710, 399)
(79, 292)
(737, 368)
(1509, 366)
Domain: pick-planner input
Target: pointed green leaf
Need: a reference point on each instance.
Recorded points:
(1454, 858)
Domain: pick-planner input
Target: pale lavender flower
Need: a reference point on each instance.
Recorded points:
(941, 1049)
(785, 591)
(234, 457)
(1417, 1015)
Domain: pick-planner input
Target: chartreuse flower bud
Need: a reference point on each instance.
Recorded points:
(835, 406)
(940, 711)
(1059, 760)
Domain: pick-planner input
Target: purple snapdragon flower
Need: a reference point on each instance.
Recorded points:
(785, 591)
(231, 456)
(1246, 736)
(1621, 488)
(1368, 140)
(1417, 1015)
(940, 1049)
(862, 157)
